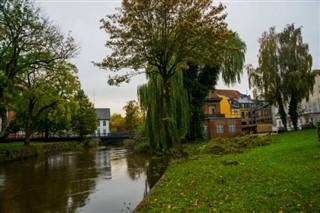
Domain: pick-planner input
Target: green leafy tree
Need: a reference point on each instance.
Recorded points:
(284, 72)
(198, 81)
(160, 38)
(133, 115)
(117, 123)
(296, 63)
(44, 90)
(57, 119)
(84, 121)
(28, 41)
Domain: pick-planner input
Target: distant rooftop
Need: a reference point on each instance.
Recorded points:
(103, 113)
(231, 94)
(244, 101)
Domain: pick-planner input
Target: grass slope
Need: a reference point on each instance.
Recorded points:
(282, 177)
(20, 145)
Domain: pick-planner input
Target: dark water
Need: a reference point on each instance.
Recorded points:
(105, 180)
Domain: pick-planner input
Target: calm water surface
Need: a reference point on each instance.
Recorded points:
(104, 180)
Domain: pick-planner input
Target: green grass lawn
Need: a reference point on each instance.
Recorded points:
(281, 177)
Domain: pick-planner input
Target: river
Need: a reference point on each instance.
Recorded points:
(104, 180)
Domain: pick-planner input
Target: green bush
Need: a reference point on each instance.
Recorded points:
(90, 142)
(142, 147)
(130, 143)
(309, 126)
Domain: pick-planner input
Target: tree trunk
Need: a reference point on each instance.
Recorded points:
(170, 125)
(4, 124)
(195, 128)
(46, 134)
(282, 113)
(293, 106)
(167, 115)
(3, 115)
(28, 129)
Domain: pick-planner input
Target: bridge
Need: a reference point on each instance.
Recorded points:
(106, 139)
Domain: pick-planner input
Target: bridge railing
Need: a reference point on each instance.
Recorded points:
(58, 137)
(115, 135)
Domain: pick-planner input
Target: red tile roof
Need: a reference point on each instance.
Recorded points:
(231, 94)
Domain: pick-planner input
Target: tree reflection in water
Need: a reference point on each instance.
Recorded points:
(59, 183)
(90, 181)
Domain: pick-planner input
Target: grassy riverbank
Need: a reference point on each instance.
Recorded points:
(281, 177)
(16, 150)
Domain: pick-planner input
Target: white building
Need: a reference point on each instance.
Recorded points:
(103, 115)
(311, 109)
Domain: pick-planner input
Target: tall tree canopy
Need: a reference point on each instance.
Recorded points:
(28, 41)
(160, 37)
(284, 73)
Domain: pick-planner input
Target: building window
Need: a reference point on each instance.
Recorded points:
(104, 131)
(104, 123)
(220, 129)
(232, 128)
(314, 107)
(213, 109)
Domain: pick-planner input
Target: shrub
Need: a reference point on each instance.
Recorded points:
(220, 146)
(142, 147)
(309, 126)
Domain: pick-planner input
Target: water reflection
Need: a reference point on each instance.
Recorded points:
(108, 180)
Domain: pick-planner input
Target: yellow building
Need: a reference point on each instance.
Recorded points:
(227, 109)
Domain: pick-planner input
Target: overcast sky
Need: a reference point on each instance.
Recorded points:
(249, 18)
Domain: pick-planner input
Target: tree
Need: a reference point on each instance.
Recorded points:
(198, 81)
(133, 115)
(28, 41)
(284, 72)
(295, 62)
(152, 104)
(57, 119)
(43, 90)
(160, 38)
(117, 123)
(267, 79)
(84, 121)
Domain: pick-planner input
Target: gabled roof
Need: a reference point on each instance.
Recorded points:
(212, 94)
(103, 113)
(231, 94)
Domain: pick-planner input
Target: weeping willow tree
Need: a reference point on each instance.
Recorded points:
(160, 37)
(152, 101)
